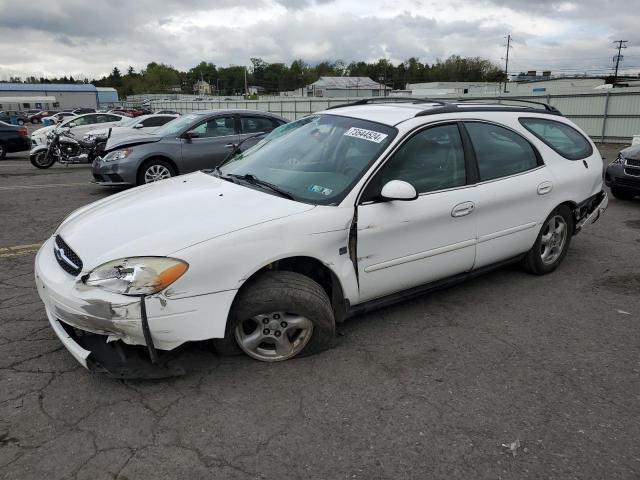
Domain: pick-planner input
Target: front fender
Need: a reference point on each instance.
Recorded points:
(38, 149)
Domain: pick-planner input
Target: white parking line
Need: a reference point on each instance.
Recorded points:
(51, 185)
(18, 250)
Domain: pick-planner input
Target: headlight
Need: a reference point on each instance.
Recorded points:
(117, 155)
(137, 275)
(619, 160)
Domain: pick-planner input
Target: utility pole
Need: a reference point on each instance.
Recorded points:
(618, 57)
(506, 63)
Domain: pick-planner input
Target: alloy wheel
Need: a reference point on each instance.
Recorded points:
(156, 173)
(275, 336)
(553, 240)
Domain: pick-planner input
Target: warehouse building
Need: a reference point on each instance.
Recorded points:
(329, 87)
(47, 96)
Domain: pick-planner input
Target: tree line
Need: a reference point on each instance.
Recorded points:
(280, 77)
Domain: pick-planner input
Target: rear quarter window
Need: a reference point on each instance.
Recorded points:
(562, 138)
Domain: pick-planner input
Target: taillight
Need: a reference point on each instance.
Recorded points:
(22, 132)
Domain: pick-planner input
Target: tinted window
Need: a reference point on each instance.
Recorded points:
(562, 138)
(156, 121)
(256, 124)
(430, 160)
(216, 127)
(499, 151)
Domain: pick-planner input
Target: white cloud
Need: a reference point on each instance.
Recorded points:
(89, 38)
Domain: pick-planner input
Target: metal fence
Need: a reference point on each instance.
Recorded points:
(607, 116)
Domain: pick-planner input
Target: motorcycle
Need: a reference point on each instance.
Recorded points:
(64, 148)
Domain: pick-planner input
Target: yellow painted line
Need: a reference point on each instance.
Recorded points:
(18, 250)
(51, 185)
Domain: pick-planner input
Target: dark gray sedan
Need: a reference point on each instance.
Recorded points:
(195, 141)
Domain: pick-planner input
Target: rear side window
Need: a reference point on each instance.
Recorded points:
(562, 138)
(499, 151)
(257, 124)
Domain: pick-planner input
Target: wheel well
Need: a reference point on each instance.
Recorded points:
(159, 157)
(316, 271)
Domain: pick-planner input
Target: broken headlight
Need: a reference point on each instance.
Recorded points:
(137, 275)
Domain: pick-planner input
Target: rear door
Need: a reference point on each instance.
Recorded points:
(514, 192)
(211, 141)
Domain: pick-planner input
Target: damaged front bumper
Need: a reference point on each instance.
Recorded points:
(589, 212)
(102, 329)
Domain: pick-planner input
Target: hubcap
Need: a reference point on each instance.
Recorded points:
(156, 173)
(554, 237)
(41, 159)
(275, 336)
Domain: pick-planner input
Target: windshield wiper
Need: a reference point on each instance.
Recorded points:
(252, 179)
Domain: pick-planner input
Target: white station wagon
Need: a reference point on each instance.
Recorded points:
(329, 216)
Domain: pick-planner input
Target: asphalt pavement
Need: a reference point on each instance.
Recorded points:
(508, 376)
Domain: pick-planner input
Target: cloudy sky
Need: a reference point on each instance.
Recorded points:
(87, 38)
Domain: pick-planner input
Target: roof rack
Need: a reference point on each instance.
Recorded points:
(372, 100)
(546, 106)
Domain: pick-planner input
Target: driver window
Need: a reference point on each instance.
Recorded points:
(432, 159)
(80, 121)
(216, 127)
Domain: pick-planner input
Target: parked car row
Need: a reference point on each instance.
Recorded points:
(321, 219)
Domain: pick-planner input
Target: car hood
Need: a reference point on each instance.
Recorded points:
(114, 130)
(43, 131)
(167, 216)
(133, 138)
(632, 152)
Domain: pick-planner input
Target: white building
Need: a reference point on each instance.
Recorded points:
(47, 96)
(431, 89)
(329, 87)
(201, 88)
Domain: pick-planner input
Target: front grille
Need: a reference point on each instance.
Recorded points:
(632, 171)
(628, 182)
(67, 258)
(632, 163)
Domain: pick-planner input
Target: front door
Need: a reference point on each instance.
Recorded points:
(212, 141)
(403, 244)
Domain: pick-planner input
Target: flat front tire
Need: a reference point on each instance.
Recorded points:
(552, 243)
(278, 316)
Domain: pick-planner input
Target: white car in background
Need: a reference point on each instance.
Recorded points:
(327, 217)
(79, 125)
(143, 123)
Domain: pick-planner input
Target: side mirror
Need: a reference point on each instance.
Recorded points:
(71, 125)
(191, 135)
(398, 190)
(138, 125)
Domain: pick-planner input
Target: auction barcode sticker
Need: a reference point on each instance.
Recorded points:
(364, 134)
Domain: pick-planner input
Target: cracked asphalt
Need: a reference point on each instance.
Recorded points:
(430, 388)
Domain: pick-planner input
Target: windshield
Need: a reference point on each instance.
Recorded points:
(175, 126)
(316, 159)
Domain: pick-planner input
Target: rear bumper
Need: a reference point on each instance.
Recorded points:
(592, 210)
(20, 144)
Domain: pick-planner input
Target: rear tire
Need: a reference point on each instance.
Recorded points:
(155, 170)
(39, 160)
(278, 316)
(552, 243)
(21, 122)
(622, 194)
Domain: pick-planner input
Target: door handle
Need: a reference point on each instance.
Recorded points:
(462, 209)
(544, 188)
(230, 145)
